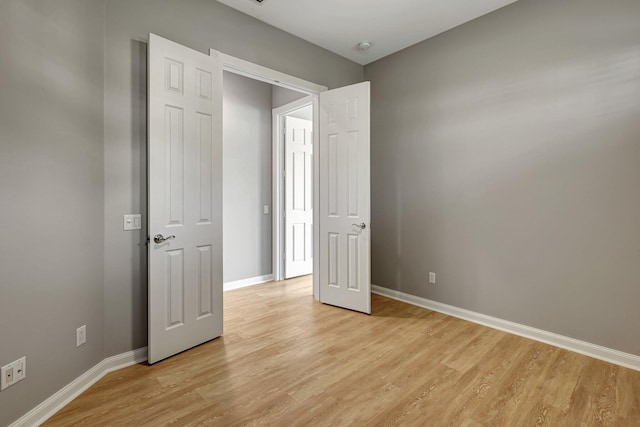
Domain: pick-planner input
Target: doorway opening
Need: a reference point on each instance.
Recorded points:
(255, 185)
(263, 181)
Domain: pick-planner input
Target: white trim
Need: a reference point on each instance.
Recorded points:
(267, 75)
(57, 401)
(247, 282)
(278, 168)
(316, 198)
(610, 355)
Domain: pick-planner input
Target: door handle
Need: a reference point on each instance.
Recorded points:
(159, 238)
(360, 226)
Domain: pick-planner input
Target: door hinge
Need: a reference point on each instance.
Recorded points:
(284, 173)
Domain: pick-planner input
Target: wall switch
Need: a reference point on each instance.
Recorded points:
(432, 278)
(81, 335)
(132, 222)
(13, 373)
(265, 209)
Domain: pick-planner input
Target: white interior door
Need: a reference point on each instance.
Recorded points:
(298, 197)
(185, 198)
(345, 245)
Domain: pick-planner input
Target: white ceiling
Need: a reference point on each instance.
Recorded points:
(390, 25)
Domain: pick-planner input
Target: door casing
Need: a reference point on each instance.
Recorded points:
(278, 184)
(267, 75)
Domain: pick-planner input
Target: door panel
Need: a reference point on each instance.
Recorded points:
(206, 290)
(298, 197)
(185, 164)
(345, 270)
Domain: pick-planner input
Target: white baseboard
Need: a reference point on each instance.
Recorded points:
(247, 282)
(53, 404)
(592, 350)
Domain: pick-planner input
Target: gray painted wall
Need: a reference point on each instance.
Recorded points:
(282, 96)
(51, 184)
(305, 113)
(246, 168)
(506, 158)
(200, 24)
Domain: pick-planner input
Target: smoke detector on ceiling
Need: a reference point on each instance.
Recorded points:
(364, 46)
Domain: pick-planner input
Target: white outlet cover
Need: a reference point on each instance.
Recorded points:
(432, 278)
(81, 335)
(20, 369)
(19, 372)
(4, 383)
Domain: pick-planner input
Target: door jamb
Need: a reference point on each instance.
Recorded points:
(279, 245)
(267, 75)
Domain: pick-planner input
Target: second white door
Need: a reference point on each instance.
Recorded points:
(345, 243)
(298, 197)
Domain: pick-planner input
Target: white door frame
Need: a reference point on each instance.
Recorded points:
(267, 75)
(278, 185)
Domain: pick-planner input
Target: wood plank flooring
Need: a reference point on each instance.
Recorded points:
(286, 360)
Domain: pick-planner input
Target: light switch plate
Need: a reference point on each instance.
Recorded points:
(81, 335)
(132, 222)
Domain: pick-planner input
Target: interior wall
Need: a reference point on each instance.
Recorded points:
(506, 158)
(282, 96)
(305, 113)
(199, 24)
(246, 158)
(51, 183)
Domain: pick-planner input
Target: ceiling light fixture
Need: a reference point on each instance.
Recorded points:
(363, 46)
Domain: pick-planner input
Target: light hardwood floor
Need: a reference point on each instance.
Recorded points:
(286, 360)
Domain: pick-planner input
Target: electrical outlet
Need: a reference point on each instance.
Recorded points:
(8, 376)
(432, 278)
(81, 335)
(13, 372)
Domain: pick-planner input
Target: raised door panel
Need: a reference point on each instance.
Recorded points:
(206, 290)
(298, 180)
(205, 168)
(174, 288)
(174, 139)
